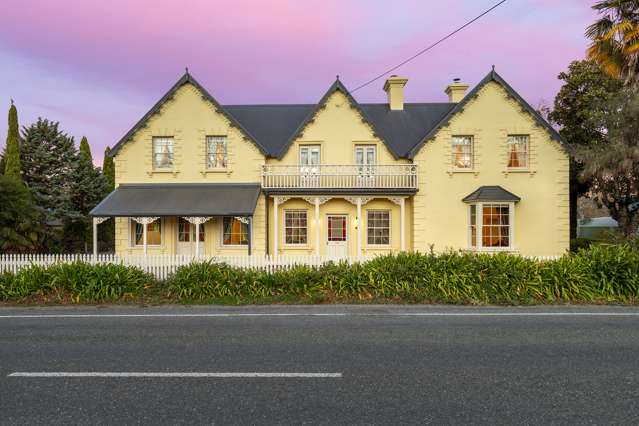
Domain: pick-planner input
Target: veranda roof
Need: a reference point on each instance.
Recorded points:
(179, 200)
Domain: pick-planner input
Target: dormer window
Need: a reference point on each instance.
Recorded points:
(162, 152)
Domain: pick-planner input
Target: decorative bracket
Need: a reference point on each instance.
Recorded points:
(396, 200)
(99, 220)
(353, 200)
(196, 220)
(281, 200)
(244, 220)
(321, 199)
(145, 220)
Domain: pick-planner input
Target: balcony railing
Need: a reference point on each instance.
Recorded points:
(329, 176)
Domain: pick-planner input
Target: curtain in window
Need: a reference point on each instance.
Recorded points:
(462, 152)
(517, 151)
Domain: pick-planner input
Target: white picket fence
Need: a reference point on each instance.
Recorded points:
(161, 266)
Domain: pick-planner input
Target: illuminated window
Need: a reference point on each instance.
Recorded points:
(216, 152)
(234, 232)
(490, 226)
(153, 233)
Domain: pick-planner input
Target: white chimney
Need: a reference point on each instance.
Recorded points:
(456, 90)
(394, 88)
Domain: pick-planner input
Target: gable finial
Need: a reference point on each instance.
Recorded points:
(493, 67)
(337, 77)
(186, 70)
(11, 101)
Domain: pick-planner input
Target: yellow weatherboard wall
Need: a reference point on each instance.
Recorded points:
(541, 217)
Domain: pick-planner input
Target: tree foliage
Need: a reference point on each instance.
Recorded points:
(108, 168)
(20, 228)
(11, 157)
(615, 38)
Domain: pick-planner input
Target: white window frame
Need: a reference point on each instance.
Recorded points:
(237, 246)
(286, 211)
(170, 139)
(365, 148)
(217, 139)
(453, 153)
(308, 148)
(479, 206)
(131, 233)
(527, 156)
(390, 227)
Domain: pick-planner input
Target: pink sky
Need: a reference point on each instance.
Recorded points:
(98, 66)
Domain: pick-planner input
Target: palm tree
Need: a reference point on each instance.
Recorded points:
(615, 38)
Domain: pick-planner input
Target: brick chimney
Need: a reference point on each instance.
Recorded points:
(456, 90)
(394, 88)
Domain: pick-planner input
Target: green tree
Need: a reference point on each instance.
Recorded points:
(12, 148)
(615, 38)
(582, 110)
(49, 161)
(108, 168)
(88, 188)
(20, 228)
(613, 167)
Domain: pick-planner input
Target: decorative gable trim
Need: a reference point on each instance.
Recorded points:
(310, 118)
(185, 79)
(492, 76)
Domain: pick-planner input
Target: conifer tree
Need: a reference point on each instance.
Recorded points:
(108, 168)
(49, 161)
(12, 148)
(20, 228)
(85, 148)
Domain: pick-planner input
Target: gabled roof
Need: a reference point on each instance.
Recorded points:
(186, 78)
(336, 86)
(490, 193)
(491, 76)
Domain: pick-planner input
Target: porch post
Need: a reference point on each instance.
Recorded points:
(250, 240)
(359, 226)
(276, 223)
(144, 229)
(317, 226)
(402, 224)
(197, 238)
(95, 237)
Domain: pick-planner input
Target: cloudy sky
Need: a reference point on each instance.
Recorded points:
(97, 66)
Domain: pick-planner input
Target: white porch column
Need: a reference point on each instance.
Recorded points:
(197, 239)
(402, 225)
(359, 226)
(96, 222)
(317, 226)
(276, 222)
(144, 231)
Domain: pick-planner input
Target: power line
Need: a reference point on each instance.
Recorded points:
(487, 11)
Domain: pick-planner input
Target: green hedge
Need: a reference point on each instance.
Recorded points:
(597, 274)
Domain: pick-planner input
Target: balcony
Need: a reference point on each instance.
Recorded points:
(349, 176)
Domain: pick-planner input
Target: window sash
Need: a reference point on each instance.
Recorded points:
(378, 227)
(186, 231)
(310, 155)
(296, 227)
(216, 152)
(490, 226)
(365, 155)
(153, 233)
(162, 152)
(518, 151)
(234, 232)
(462, 152)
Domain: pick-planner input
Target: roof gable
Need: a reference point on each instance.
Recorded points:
(187, 78)
(492, 76)
(336, 86)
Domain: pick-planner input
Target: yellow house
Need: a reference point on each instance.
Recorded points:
(482, 172)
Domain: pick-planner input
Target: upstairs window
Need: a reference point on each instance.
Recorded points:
(216, 152)
(309, 155)
(163, 153)
(518, 151)
(462, 155)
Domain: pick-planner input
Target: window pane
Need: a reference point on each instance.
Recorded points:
(295, 227)
(234, 232)
(462, 154)
(153, 233)
(162, 152)
(378, 227)
(495, 225)
(216, 152)
(518, 151)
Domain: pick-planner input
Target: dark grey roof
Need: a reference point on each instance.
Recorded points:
(273, 128)
(275, 125)
(174, 199)
(490, 193)
(491, 76)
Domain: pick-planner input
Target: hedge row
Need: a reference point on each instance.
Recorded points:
(596, 274)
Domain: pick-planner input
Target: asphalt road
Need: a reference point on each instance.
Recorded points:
(398, 365)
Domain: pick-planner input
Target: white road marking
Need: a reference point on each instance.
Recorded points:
(353, 314)
(177, 375)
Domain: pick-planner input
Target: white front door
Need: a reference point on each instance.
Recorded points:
(337, 236)
(186, 238)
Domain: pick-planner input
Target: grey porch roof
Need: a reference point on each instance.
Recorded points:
(490, 193)
(180, 200)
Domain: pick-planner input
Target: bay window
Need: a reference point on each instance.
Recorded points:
(490, 226)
